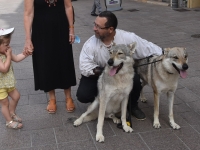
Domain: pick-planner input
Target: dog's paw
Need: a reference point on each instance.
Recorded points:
(127, 129)
(116, 120)
(174, 126)
(156, 125)
(99, 138)
(77, 122)
(143, 99)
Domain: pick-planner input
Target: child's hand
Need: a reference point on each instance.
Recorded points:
(8, 52)
(25, 53)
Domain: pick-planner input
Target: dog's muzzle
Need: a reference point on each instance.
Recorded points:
(182, 72)
(110, 62)
(115, 69)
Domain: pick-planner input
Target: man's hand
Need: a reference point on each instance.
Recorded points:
(98, 71)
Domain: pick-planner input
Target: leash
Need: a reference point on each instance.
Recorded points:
(163, 53)
(149, 63)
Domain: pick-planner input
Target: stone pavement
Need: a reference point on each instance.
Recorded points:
(42, 131)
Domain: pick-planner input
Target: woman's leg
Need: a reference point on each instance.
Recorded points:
(52, 94)
(68, 92)
(70, 107)
(51, 107)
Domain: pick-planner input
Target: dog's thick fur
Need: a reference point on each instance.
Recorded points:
(163, 76)
(114, 86)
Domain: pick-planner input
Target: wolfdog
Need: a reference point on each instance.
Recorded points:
(162, 75)
(114, 86)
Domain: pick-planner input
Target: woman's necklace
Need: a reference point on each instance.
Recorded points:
(51, 2)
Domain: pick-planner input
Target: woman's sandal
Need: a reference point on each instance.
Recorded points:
(14, 125)
(70, 107)
(51, 107)
(16, 118)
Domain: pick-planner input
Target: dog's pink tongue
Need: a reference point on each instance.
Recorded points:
(183, 74)
(113, 71)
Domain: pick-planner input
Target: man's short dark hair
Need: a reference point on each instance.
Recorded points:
(111, 19)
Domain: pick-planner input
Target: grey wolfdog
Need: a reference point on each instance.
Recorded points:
(114, 85)
(162, 76)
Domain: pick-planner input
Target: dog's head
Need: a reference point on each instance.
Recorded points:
(119, 55)
(178, 58)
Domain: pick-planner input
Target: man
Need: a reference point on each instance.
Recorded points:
(95, 54)
(96, 5)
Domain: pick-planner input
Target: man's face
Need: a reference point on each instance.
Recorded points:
(4, 46)
(101, 31)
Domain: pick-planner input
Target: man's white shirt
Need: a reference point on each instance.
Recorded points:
(94, 53)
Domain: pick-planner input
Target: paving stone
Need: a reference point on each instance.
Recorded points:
(79, 145)
(128, 141)
(190, 137)
(14, 139)
(191, 117)
(163, 140)
(69, 133)
(43, 137)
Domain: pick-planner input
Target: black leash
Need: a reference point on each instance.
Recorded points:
(149, 63)
(163, 53)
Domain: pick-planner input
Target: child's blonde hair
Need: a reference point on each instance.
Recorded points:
(5, 37)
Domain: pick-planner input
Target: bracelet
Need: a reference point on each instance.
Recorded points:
(71, 26)
(71, 34)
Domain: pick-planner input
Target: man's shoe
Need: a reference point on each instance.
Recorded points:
(137, 112)
(94, 14)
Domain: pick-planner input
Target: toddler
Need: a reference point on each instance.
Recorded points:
(7, 80)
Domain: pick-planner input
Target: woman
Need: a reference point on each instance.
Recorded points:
(51, 23)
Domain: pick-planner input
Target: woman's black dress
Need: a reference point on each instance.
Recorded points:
(53, 63)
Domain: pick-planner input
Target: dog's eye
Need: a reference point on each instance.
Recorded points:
(175, 57)
(120, 53)
(110, 52)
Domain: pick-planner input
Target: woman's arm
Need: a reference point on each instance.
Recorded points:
(28, 19)
(70, 17)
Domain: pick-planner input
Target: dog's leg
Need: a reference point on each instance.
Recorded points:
(170, 96)
(123, 117)
(156, 123)
(115, 119)
(102, 110)
(91, 116)
(92, 107)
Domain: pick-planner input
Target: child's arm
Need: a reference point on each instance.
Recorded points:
(18, 58)
(4, 67)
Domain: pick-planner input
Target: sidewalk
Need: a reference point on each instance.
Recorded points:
(42, 131)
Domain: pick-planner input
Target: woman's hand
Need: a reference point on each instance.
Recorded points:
(28, 47)
(71, 35)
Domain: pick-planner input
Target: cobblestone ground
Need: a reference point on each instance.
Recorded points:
(42, 131)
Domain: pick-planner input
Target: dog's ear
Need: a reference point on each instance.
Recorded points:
(132, 47)
(166, 50)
